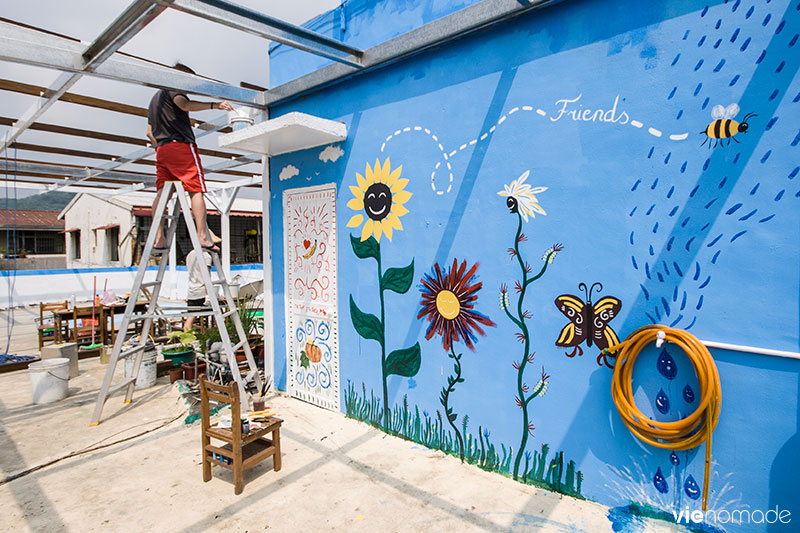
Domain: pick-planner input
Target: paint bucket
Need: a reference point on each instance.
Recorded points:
(49, 380)
(147, 372)
(239, 118)
(105, 354)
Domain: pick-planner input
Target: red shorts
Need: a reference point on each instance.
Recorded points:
(180, 161)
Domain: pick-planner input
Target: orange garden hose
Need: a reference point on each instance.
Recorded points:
(682, 434)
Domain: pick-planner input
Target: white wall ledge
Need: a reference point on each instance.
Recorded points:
(287, 133)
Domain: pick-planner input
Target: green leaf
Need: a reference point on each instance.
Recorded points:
(365, 249)
(453, 417)
(398, 279)
(404, 362)
(304, 362)
(367, 325)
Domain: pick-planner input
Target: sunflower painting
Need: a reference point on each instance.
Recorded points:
(448, 302)
(521, 200)
(380, 196)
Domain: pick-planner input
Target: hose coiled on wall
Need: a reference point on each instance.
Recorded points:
(682, 434)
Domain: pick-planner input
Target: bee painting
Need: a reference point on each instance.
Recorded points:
(724, 127)
(588, 322)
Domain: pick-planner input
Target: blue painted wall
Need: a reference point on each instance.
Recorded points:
(702, 239)
(359, 23)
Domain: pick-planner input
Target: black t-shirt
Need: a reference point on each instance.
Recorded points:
(168, 121)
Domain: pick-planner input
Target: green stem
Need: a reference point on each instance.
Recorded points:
(520, 322)
(526, 351)
(512, 317)
(450, 388)
(386, 414)
(535, 393)
(544, 267)
(483, 450)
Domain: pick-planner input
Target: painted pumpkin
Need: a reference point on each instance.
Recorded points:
(313, 352)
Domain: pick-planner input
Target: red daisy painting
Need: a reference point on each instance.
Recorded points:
(448, 300)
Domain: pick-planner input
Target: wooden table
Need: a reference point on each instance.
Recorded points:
(106, 333)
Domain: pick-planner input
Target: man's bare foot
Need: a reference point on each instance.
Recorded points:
(159, 244)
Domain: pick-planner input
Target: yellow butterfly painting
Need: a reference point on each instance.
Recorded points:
(587, 322)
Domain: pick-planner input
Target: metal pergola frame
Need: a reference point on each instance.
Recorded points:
(26, 45)
(21, 43)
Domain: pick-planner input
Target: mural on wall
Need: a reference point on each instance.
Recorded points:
(671, 487)
(621, 136)
(588, 323)
(521, 200)
(564, 108)
(380, 195)
(556, 473)
(448, 302)
(312, 324)
(678, 269)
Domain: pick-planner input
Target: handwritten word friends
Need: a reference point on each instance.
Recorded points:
(571, 108)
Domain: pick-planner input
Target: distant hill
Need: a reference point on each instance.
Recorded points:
(48, 201)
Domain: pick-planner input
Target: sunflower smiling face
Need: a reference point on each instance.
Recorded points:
(378, 201)
(381, 195)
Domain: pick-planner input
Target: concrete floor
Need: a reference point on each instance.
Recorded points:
(338, 474)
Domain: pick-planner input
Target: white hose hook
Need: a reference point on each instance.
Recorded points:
(660, 338)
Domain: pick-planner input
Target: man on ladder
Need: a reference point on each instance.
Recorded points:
(178, 169)
(170, 131)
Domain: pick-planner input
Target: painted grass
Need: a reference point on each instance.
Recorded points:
(552, 473)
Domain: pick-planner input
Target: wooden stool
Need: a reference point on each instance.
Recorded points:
(241, 451)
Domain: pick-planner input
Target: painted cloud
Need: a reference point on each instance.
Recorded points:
(331, 153)
(288, 172)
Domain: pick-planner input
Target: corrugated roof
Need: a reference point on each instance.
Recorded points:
(31, 218)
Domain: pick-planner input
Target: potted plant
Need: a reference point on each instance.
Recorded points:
(248, 314)
(181, 349)
(247, 311)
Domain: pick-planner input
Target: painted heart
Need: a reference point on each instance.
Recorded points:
(306, 244)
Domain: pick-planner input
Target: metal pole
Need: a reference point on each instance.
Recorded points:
(266, 255)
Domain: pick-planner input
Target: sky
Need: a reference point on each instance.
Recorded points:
(210, 49)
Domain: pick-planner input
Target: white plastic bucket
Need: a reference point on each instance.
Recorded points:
(240, 118)
(49, 380)
(147, 373)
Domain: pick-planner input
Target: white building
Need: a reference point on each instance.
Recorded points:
(104, 231)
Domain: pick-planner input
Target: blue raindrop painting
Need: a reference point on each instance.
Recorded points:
(691, 488)
(662, 402)
(666, 365)
(674, 459)
(659, 482)
(688, 394)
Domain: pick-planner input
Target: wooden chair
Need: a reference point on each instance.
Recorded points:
(48, 325)
(82, 334)
(241, 451)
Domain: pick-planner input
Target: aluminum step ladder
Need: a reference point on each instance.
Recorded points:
(137, 351)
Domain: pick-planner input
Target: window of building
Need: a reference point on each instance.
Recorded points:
(75, 236)
(112, 244)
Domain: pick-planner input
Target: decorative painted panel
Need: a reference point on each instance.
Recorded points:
(312, 325)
